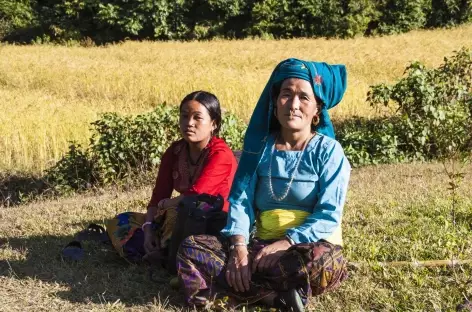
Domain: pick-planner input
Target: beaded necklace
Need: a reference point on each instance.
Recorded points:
(285, 193)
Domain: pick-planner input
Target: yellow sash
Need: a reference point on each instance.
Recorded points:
(273, 224)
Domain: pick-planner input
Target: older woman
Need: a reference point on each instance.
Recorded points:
(291, 182)
(199, 163)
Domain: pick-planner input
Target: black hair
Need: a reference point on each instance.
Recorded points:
(211, 103)
(275, 92)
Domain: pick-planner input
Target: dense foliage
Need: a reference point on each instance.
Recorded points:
(433, 117)
(103, 21)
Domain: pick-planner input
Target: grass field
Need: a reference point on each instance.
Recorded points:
(50, 94)
(394, 212)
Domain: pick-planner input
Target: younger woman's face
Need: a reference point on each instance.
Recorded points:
(296, 104)
(195, 122)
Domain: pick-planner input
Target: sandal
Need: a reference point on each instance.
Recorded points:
(93, 232)
(73, 251)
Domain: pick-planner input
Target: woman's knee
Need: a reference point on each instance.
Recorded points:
(329, 268)
(187, 245)
(198, 242)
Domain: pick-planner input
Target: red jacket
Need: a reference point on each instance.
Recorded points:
(215, 176)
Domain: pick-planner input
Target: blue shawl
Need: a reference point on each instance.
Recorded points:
(329, 84)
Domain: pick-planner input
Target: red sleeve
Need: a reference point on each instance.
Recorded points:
(216, 171)
(164, 183)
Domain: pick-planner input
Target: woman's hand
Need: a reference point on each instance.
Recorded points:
(268, 256)
(151, 243)
(238, 272)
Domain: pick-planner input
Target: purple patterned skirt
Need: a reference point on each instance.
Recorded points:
(310, 268)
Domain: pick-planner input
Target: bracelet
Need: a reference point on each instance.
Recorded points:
(233, 246)
(145, 223)
(291, 242)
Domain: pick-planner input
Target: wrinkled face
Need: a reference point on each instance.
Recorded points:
(195, 122)
(296, 104)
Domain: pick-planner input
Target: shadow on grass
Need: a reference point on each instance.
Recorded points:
(18, 188)
(102, 276)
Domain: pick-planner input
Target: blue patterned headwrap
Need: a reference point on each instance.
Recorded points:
(328, 83)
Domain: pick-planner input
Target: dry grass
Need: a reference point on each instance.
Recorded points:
(394, 212)
(49, 94)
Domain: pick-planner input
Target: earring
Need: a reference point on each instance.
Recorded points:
(316, 120)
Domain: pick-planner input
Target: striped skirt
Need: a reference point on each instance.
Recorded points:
(310, 268)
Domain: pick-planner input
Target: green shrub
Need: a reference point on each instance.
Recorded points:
(449, 12)
(374, 141)
(433, 118)
(232, 131)
(122, 145)
(397, 16)
(114, 20)
(301, 18)
(14, 15)
(434, 105)
(75, 171)
(102, 21)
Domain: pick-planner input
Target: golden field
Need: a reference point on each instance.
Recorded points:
(50, 94)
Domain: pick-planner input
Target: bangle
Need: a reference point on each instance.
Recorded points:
(146, 223)
(233, 246)
(290, 241)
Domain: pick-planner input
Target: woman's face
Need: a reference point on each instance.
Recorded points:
(195, 122)
(296, 104)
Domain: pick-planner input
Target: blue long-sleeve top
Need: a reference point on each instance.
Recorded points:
(319, 188)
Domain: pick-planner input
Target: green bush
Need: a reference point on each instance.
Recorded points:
(114, 20)
(433, 118)
(449, 12)
(434, 106)
(75, 171)
(122, 145)
(397, 16)
(302, 18)
(104, 21)
(374, 141)
(15, 14)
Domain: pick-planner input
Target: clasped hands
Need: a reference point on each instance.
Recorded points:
(240, 267)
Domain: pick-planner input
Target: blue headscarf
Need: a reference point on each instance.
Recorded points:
(328, 83)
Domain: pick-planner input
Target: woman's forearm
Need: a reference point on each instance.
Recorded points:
(237, 239)
(151, 213)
